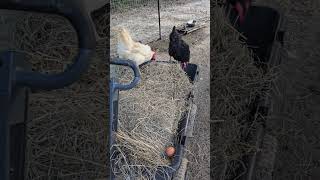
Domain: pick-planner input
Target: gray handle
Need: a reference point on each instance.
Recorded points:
(136, 71)
(75, 12)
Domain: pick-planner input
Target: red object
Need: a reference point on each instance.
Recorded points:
(170, 151)
(153, 56)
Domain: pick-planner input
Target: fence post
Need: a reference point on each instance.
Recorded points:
(159, 19)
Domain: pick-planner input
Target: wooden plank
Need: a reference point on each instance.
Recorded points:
(191, 121)
(181, 173)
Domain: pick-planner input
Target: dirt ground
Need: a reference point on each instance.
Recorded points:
(296, 111)
(198, 147)
(143, 21)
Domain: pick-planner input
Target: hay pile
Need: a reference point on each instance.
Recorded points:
(235, 82)
(148, 118)
(67, 133)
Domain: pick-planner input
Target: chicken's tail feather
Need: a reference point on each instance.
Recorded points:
(124, 36)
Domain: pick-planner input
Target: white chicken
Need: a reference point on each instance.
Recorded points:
(135, 51)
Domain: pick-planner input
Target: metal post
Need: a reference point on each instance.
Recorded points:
(159, 19)
(13, 116)
(5, 93)
(6, 75)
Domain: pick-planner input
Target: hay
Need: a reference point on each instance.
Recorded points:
(149, 116)
(235, 83)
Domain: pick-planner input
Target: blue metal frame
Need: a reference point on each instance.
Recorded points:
(114, 88)
(5, 96)
(117, 86)
(192, 72)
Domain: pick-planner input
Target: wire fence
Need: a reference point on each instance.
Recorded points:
(121, 5)
(141, 17)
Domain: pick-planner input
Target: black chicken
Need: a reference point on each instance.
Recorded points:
(179, 49)
(241, 7)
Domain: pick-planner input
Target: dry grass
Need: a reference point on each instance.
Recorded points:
(235, 84)
(67, 136)
(294, 118)
(148, 118)
(49, 41)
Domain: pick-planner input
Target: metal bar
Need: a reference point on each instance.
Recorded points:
(114, 88)
(110, 127)
(6, 76)
(136, 71)
(159, 19)
(4, 141)
(18, 117)
(253, 161)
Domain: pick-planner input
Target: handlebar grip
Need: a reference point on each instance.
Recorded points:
(75, 12)
(136, 71)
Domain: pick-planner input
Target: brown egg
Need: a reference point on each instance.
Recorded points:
(170, 151)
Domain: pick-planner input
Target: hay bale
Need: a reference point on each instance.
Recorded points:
(149, 116)
(235, 84)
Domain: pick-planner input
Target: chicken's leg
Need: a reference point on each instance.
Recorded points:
(184, 65)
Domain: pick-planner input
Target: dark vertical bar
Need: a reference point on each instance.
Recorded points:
(112, 177)
(5, 94)
(159, 19)
(18, 117)
(110, 174)
(4, 140)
